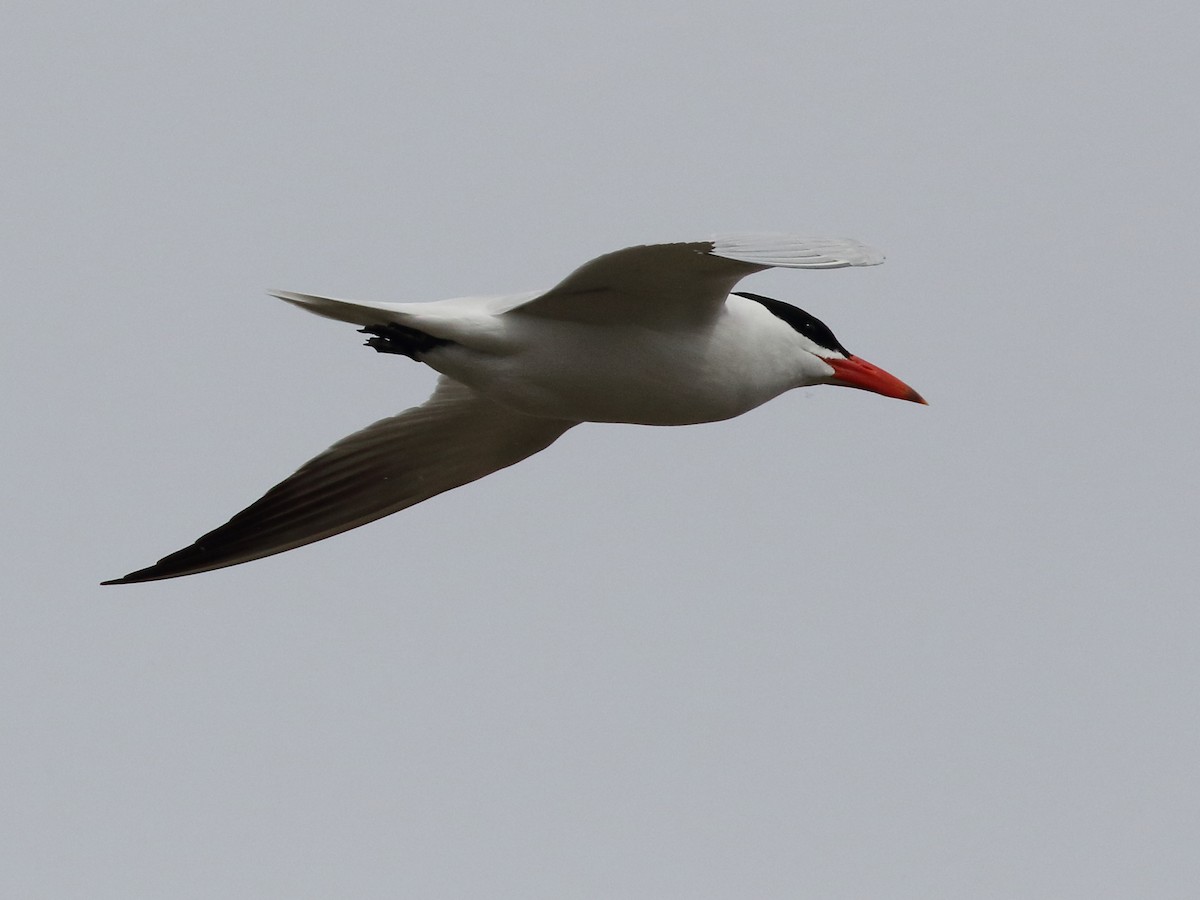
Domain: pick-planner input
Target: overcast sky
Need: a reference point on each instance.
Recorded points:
(839, 647)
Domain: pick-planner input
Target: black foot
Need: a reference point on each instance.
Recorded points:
(393, 338)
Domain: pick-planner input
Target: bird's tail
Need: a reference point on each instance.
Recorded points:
(357, 312)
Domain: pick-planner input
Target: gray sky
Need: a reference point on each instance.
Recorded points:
(840, 647)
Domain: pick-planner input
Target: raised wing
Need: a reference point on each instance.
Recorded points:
(673, 284)
(455, 437)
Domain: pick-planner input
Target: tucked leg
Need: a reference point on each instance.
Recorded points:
(393, 338)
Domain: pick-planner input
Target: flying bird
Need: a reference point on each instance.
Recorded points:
(649, 335)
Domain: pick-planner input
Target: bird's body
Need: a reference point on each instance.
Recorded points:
(647, 335)
(704, 372)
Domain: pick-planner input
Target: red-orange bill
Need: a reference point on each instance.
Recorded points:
(858, 373)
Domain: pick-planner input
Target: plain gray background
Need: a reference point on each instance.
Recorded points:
(840, 647)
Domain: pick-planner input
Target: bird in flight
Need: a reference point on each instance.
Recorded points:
(649, 335)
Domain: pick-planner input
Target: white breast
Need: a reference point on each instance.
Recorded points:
(619, 373)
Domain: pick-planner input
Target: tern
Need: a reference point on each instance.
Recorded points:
(648, 335)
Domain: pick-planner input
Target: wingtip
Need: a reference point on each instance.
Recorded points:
(164, 568)
(794, 250)
(182, 562)
(131, 578)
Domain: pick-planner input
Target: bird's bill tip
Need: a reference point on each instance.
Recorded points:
(855, 372)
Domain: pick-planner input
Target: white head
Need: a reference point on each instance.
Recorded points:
(848, 370)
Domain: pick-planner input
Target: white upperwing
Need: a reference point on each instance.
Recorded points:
(665, 285)
(680, 284)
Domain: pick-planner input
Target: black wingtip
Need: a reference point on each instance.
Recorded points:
(133, 577)
(164, 568)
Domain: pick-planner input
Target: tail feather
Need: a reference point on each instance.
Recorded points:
(357, 312)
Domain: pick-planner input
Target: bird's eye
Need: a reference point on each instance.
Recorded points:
(809, 326)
